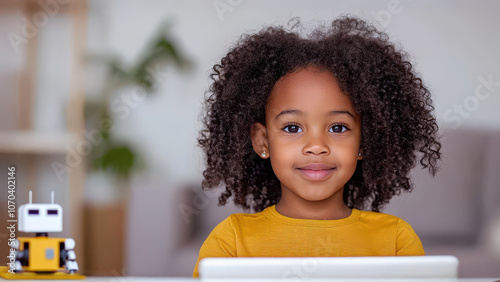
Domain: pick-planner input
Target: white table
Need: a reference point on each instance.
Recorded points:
(186, 279)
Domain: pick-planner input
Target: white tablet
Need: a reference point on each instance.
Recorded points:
(392, 268)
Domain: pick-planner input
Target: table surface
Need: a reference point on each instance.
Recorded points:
(185, 279)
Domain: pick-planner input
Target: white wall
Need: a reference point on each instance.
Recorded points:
(452, 43)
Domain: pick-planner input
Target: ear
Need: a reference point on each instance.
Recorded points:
(259, 140)
(360, 151)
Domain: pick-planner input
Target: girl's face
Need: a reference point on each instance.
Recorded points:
(312, 136)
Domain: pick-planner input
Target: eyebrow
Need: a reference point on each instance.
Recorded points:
(330, 113)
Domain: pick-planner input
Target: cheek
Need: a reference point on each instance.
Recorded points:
(282, 159)
(348, 156)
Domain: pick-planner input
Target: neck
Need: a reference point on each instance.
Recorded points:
(328, 209)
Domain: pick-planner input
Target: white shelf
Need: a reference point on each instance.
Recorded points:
(36, 143)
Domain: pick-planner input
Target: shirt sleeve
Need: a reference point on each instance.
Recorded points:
(220, 243)
(408, 243)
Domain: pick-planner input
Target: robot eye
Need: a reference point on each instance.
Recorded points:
(54, 212)
(32, 211)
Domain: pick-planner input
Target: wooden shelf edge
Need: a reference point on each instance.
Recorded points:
(36, 143)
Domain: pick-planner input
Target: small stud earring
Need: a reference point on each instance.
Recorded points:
(263, 154)
(359, 154)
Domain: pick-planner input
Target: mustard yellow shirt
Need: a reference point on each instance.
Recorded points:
(270, 234)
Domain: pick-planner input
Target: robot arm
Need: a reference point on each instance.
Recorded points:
(70, 256)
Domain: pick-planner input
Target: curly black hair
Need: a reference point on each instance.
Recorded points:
(395, 108)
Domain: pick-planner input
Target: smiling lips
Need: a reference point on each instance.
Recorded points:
(316, 171)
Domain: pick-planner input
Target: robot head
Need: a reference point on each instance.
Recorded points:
(40, 218)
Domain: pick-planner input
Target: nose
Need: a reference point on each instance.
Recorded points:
(316, 144)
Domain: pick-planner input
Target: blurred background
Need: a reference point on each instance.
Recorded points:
(100, 102)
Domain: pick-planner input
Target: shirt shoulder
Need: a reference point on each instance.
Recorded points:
(406, 239)
(408, 242)
(221, 242)
(378, 220)
(243, 219)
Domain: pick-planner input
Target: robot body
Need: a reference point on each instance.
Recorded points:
(42, 254)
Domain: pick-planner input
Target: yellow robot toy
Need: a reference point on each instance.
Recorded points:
(41, 256)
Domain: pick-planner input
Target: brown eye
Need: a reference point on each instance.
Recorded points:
(292, 128)
(339, 128)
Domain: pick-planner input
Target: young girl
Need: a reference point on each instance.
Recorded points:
(308, 131)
